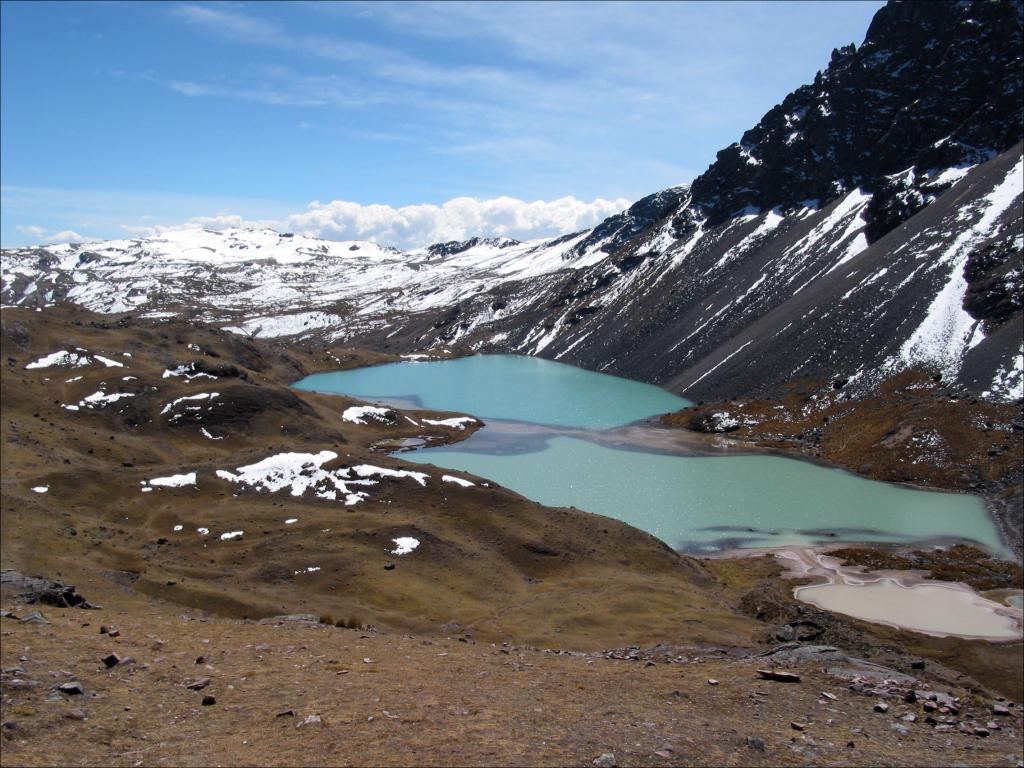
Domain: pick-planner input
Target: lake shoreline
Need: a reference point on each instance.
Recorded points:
(913, 431)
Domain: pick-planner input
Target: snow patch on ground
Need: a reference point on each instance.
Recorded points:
(98, 399)
(301, 472)
(63, 359)
(187, 370)
(175, 481)
(457, 480)
(404, 545)
(102, 398)
(358, 413)
(367, 470)
(200, 396)
(459, 422)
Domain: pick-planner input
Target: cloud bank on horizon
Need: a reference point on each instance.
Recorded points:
(404, 227)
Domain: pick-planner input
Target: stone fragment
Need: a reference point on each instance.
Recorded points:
(881, 706)
(310, 720)
(75, 714)
(111, 661)
(606, 760)
(71, 689)
(980, 731)
(35, 617)
(1000, 709)
(779, 675)
(197, 684)
(909, 718)
(755, 743)
(18, 684)
(293, 618)
(917, 664)
(796, 726)
(287, 713)
(712, 681)
(209, 701)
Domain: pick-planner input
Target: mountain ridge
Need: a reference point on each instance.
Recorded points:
(834, 241)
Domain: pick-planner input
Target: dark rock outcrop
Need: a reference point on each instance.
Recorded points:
(35, 590)
(934, 85)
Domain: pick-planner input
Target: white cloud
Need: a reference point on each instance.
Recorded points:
(43, 235)
(413, 226)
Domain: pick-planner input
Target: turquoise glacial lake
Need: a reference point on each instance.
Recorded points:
(553, 434)
(511, 387)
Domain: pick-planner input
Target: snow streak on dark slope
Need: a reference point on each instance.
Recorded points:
(870, 222)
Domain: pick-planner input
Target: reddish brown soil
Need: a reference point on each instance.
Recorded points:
(399, 700)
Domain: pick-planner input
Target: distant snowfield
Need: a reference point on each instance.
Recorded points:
(282, 274)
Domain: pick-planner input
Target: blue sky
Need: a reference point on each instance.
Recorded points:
(122, 118)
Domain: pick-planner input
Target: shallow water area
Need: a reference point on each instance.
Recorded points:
(564, 436)
(934, 609)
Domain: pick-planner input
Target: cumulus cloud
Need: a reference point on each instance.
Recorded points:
(412, 226)
(457, 219)
(43, 235)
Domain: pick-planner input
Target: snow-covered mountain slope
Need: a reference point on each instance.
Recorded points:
(869, 223)
(262, 283)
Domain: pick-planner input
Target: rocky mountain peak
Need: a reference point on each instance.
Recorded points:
(934, 85)
(616, 231)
